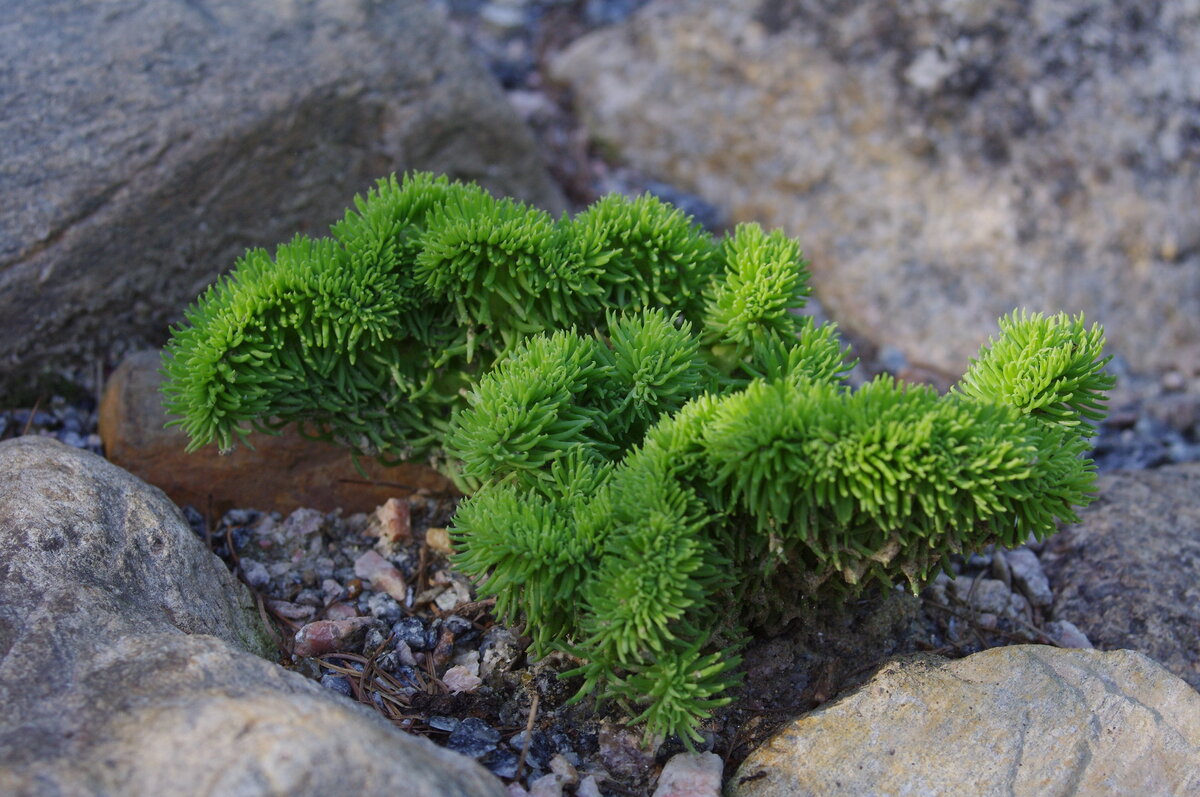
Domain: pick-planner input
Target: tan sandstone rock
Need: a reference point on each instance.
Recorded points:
(1026, 720)
(278, 473)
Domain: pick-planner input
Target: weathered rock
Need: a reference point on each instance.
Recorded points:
(278, 473)
(988, 595)
(1068, 635)
(382, 574)
(1025, 720)
(459, 678)
(85, 545)
(1028, 576)
(329, 636)
(691, 775)
(148, 144)
(942, 162)
(1128, 575)
(124, 666)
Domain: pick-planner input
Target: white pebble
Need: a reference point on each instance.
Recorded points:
(691, 775)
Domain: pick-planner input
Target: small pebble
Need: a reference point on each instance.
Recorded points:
(438, 539)
(310, 597)
(588, 787)
(292, 611)
(411, 631)
(549, 785)
(304, 522)
(373, 640)
(1028, 576)
(447, 724)
(395, 523)
(622, 753)
(564, 745)
(503, 17)
(384, 607)
(448, 600)
(468, 659)
(457, 625)
(382, 574)
(341, 611)
(404, 654)
(540, 749)
(337, 683)
(501, 763)
(240, 517)
(1068, 635)
(332, 591)
(691, 775)
(459, 679)
(473, 738)
(331, 636)
(72, 439)
(323, 568)
(982, 594)
(566, 771)
(255, 572)
(1173, 381)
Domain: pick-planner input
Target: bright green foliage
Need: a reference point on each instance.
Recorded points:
(662, 453)
(1049, 367)
(776, 487)
(767, 277)
(371, 336)
(649, 254)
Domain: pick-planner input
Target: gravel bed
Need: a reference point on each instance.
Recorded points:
(369, 606)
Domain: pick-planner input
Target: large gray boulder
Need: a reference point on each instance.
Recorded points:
(942, 162)
(127, 659)
(1026, 720)
(148, 144)
(1129, 575)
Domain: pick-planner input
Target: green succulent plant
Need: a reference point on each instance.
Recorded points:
(650, 433)
(791, 485)
(370, 336)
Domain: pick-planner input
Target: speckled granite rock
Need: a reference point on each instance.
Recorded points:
(941, 162)
(277, 474)
(1129, 575)
(148, 144)
(124, 663)
(1027, 720)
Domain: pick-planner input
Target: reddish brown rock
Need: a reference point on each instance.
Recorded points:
(278, 473)
(330, 636)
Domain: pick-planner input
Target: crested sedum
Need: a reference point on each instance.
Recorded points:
(660, 452)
